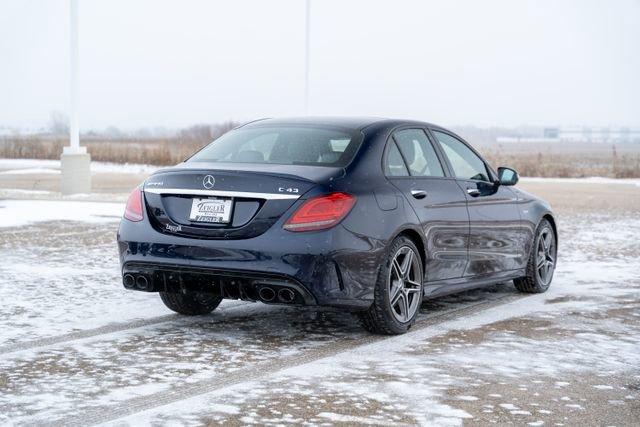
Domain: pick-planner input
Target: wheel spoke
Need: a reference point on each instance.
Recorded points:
(407, 262)
(405, 309)
(547, 272)
(541, 259)
(547, 241)
(397, 268)
(411, 286)
(396, 292)
(399, 304)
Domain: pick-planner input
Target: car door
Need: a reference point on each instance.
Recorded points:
(414, 167)
(496, 240)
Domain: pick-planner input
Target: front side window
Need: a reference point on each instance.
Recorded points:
(284, 145)
(418, 153)
(465, 163)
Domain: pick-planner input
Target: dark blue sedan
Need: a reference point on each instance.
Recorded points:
(369, 215)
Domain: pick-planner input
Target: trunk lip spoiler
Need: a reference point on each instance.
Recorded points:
(222, 193)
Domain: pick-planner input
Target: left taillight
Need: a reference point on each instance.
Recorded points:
(133, 210)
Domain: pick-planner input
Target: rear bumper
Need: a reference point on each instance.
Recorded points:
(329, 268)
(248, 286)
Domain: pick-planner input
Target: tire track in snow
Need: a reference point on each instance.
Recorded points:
(105, 330)
(180, 392)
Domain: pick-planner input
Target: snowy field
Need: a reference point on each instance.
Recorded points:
(38, 166)
(76, 348)
(40, 179)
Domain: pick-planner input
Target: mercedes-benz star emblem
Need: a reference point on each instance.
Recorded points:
(208, 182)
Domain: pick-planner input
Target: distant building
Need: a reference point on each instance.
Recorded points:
(603, 135)
(551, 133)
(579, 134)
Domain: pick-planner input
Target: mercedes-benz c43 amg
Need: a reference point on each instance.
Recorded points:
(367, 215)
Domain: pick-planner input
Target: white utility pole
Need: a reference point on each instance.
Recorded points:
(306, 54)
(75, 162)
(74, 140)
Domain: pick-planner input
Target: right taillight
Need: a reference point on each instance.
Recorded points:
(321, 212)
(133, 210)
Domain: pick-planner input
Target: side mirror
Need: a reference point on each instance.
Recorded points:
(507, 176)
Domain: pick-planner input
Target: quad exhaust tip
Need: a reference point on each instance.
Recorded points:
(286, 295)
(129, 280)
(267, 294)
(142, 283)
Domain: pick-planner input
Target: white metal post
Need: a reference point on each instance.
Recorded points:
(306, 54)
(74, 131)
(75, 162)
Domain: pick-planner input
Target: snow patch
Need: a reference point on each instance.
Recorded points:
(30, 171)
(39, 166)
(467, 398)
(14, 213)
(603, 387)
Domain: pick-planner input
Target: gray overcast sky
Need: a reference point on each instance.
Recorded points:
(176, 63)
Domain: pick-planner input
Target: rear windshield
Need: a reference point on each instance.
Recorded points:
(283, 146)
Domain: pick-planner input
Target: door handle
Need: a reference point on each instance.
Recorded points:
(473, 192)
(419, 194)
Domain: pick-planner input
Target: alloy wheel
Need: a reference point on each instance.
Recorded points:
(546, 257)
(405, 284)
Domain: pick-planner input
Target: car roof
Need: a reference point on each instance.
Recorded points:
(358, 123)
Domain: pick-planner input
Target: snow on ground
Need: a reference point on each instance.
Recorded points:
(38, 166)
(18, 194)
(568, 356)
(30, 171)
(61, 275)
(587, 324)
(14, 213)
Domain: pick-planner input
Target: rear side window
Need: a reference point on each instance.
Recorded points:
(418, 153)
(465, 163)
(395, 165)
(293, 145)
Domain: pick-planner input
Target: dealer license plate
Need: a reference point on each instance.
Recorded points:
(211, 210)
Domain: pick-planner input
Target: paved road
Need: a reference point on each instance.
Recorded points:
(75, 348)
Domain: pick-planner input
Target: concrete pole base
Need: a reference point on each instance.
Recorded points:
(76, 171)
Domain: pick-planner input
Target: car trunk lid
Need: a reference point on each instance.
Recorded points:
(244, 204)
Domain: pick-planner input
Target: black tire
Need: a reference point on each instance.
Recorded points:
(380, 318)
(190, 303)
(535, 282)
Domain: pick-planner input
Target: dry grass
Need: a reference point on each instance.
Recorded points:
(529, 160)
(153, 151)
(161, 152)
(576, 163)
